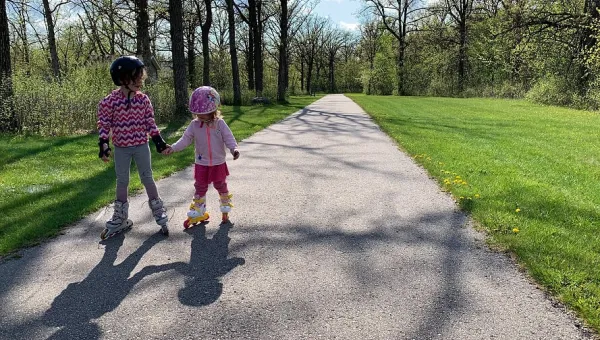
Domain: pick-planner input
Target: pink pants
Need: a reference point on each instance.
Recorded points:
(204, 175)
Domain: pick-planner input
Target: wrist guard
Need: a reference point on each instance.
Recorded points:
(160, 143)
(104, 148)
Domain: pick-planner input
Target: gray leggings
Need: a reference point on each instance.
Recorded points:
(143, 160)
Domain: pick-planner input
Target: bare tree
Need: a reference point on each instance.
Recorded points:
(48, 13)
(306, 42)
(333, 40)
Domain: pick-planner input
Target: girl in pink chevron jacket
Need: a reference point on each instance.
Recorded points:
(212, 138)
(127, 115)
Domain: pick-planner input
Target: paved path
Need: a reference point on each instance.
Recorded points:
(338, 235)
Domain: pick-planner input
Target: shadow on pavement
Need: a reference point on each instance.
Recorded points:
(208, 263)
(103, 290)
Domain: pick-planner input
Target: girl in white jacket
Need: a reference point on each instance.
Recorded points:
(212, 138)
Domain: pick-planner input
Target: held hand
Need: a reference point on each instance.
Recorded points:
(168, 150)
(236, 154)
(107, 153)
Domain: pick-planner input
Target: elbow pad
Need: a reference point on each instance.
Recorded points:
(104, 148)
(160, 143)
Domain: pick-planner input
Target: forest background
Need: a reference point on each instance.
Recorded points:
(55, 54)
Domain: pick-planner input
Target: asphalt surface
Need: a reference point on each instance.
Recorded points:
(337, 235)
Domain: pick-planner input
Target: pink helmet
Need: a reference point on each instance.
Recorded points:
(204, 100)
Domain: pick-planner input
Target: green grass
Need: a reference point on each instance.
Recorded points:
(47, 183)
(528, 174)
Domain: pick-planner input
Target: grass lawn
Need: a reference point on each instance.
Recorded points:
(47, 183)
(528, 174)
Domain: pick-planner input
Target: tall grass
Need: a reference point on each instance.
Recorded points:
(48, 107)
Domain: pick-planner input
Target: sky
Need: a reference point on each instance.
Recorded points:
(341, 12)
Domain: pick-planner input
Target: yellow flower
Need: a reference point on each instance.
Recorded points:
(518, 210)
(476, 195)
(516, 230)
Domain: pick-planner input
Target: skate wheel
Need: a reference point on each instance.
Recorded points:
(186, 224)
(164, 230)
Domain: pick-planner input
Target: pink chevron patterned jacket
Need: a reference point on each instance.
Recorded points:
(130, 124)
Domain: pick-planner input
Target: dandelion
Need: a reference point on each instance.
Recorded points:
(516, 230)
(477, 196)
(518, 210)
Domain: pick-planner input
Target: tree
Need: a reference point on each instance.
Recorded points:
(205, 32)
(51, 35)
(235, 71)
(7, 116)
(333, 40)
(143, 37)
(399, 18)
(282, 74)
(369, 46)
(178, 52)
(307, 41)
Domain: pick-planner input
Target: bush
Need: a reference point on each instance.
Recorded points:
(49, 107)
(551, 90)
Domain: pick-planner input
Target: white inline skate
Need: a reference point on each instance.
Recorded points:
(160, 215)
(197, 213)
(225, 207)
(119, 221)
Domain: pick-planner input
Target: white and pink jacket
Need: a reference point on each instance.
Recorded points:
(211, 141)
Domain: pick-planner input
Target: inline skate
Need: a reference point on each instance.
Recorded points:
(197, 213)
(119, 221)
(160, 215)
(225, 206)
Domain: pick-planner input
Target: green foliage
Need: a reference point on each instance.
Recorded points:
(551, 90)
(527, 173)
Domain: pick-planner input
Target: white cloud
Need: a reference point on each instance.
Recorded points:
(348, 26)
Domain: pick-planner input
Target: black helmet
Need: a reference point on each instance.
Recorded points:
(125, 65)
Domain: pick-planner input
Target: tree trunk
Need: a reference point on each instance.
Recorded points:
(258, 50)
(250, 58)
(302, 74)
(235, 71)
(23, 17)
(400, 67)
(332, 88)
(205, 27)
(143, 38)
(178, 53)
(283, 60)
(51, 40)
(8, 121)
(191, 59)
(309, 65)
(462, 55)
